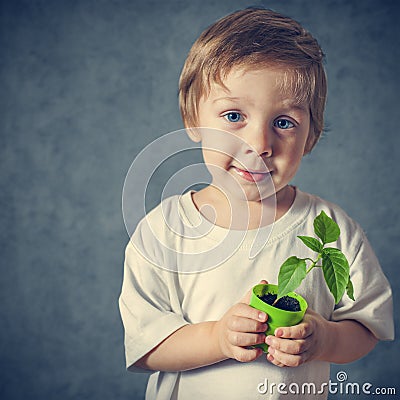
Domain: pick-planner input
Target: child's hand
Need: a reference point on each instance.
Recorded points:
(240, 327)
(295, 345)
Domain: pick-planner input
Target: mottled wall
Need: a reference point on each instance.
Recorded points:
(84, 86)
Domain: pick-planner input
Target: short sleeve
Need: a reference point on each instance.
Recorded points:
(373, 306)
(145, 307)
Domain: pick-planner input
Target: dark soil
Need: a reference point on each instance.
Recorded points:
(284, 303)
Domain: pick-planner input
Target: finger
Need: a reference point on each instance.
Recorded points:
(246, 298)
(246, 355)
(288, 360)
(272, 360)
(300, 331)
(246, 311)
(243, 324)
(288, 346)
(242, 339)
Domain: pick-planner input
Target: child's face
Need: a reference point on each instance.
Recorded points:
(267, 129)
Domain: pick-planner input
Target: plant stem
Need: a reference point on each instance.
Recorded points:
(314, 263)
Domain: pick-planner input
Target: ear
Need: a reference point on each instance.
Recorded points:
(194, 134)
(310, 142)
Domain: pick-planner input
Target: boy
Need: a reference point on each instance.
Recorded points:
(255, 81)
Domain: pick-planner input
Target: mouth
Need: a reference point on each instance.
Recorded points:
(251, 176)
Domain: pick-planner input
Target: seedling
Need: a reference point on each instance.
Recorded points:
(334, 264)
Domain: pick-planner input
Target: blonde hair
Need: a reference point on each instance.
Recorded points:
(252, 38)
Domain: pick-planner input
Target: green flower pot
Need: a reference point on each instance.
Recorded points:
(276, 317)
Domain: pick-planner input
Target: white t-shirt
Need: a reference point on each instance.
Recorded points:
(174, 276)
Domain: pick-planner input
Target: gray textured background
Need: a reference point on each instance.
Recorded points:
(85, 85)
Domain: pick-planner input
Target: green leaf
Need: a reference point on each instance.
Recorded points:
(326, 228)
(336, 271)
(312, 243)
(291, 274)
(350, 289)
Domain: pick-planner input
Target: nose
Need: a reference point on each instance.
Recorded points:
(259, 139)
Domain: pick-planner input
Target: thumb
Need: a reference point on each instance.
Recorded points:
(246, 298)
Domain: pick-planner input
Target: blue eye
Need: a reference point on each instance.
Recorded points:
(283, 124)
(233, 116)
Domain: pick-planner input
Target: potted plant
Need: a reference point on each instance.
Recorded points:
(286, 308)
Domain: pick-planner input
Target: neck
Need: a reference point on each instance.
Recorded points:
(240, 214)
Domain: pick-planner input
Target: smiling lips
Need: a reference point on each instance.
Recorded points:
(251, 176)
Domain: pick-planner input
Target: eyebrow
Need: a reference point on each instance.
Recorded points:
(293, 104)
(286, 104)
(227, 98)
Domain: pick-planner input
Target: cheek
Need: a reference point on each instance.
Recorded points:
(295, 157)
(217, 158)
(290, 158)
(219, 145)
(298, 148)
